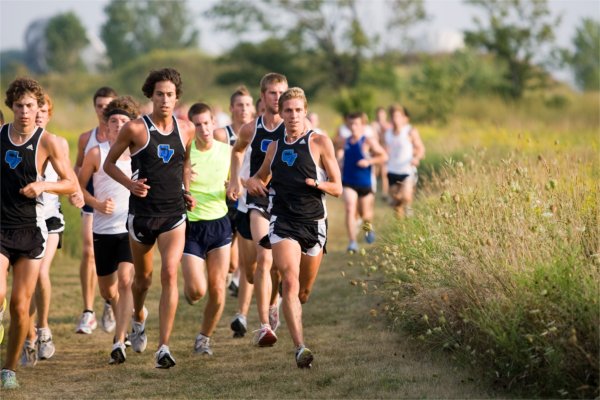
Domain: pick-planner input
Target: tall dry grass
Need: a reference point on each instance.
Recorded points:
(500, 265)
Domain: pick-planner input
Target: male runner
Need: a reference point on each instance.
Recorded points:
(159, 145)
(303, 168)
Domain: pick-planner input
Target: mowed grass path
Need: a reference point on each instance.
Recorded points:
(356, 356)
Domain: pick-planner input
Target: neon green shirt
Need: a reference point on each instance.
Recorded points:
(210, 171)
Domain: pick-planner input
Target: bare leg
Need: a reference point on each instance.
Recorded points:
(87, 267)
(124, 306)
(216, 267)
(264, 260)
(287, 256)
(350, 203)
(247, 253)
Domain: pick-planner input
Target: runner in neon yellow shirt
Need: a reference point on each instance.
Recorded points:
(208, 240)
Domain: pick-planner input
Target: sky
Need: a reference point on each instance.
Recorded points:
(447, 16)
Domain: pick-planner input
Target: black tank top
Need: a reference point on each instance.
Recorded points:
(231, 136)
(258, 149)
(19, 170)
(161, 162)
(290, 196)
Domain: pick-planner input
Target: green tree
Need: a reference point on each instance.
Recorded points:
(520, 33)
(331, 34)
(403, 15)
(135, 27)
(65, 39)
(586, 59)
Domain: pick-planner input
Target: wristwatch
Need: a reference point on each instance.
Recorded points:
(316, 183)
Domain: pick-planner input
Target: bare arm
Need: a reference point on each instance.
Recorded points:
(220, 134)
(257, 184)
(91, 165)
(418, 147)
(124, 140)
(189, 131)
(76, 199)
(378, 154)
(237, 158)
(81, 143)
(323, 147)
(67, 182)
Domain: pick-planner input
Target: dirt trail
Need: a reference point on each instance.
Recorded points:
(356, 356)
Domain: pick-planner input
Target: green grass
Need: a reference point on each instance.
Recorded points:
(499, 267)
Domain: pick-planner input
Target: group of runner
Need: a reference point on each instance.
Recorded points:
(192, 190)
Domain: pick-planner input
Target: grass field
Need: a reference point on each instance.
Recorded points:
(356, 355)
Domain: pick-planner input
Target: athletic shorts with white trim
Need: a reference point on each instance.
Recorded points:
(28, 242)
(204, 236)
(145, 230)
(310, 235)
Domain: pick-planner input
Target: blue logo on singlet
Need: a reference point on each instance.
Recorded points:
(12, 158)
(165, 152)
(265, 144)
(289, 157)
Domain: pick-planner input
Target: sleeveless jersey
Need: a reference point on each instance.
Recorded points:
(160, 161)
(207, 187)
(400, 151)
(352, 174)
(19, 168)
(92, 141)
(105, 186)
(290, 196)
(51, 201)
(231, 136)
(258, 148)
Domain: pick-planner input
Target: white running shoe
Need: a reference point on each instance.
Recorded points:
(108, 318)
(202, 345)
(304, 357)
(239, 325)
(138, 337)
(29, 354)
(274, 315)
(117, 355)
(164, 359)
(45, 344)
(8, 379)
(264, 336)
(87, 323)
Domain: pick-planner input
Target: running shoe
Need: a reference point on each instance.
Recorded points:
(127, 341)
(239, 326)
(108, 318)
(233, 289)
(138, 337)
(367, 227)
(202, 345)
(29, 354)
(117, 355)
(45, 344)
(274, 315)
(352, 248)
(1, 317)
(87, 323)
(164, 359)
(264, 336)
(304, 357)
(8, 379)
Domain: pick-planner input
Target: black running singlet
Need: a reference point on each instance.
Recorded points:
(258, 149)
(160, 161)
(18, 170)
(290, 196)
(231, 136)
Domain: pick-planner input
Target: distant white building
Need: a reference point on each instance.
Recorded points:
(446, 41)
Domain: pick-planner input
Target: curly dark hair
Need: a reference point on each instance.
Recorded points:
(124, 105)
(165, 74)
(21, 86)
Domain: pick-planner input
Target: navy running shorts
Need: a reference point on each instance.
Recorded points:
(145, 230)
(204, 236)
(110, 251)
(310, 235)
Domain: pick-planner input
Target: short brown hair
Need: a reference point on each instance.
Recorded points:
(398, 108)
(270, 78)
(293, 93)
(239, 92)
(21, 86)
(124, 105)
(105, 91)
(48, 100)
(199, 108)
(165, 74)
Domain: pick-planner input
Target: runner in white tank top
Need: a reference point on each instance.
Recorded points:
(405, 150)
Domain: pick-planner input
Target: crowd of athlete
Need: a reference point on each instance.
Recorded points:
(249, 196)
